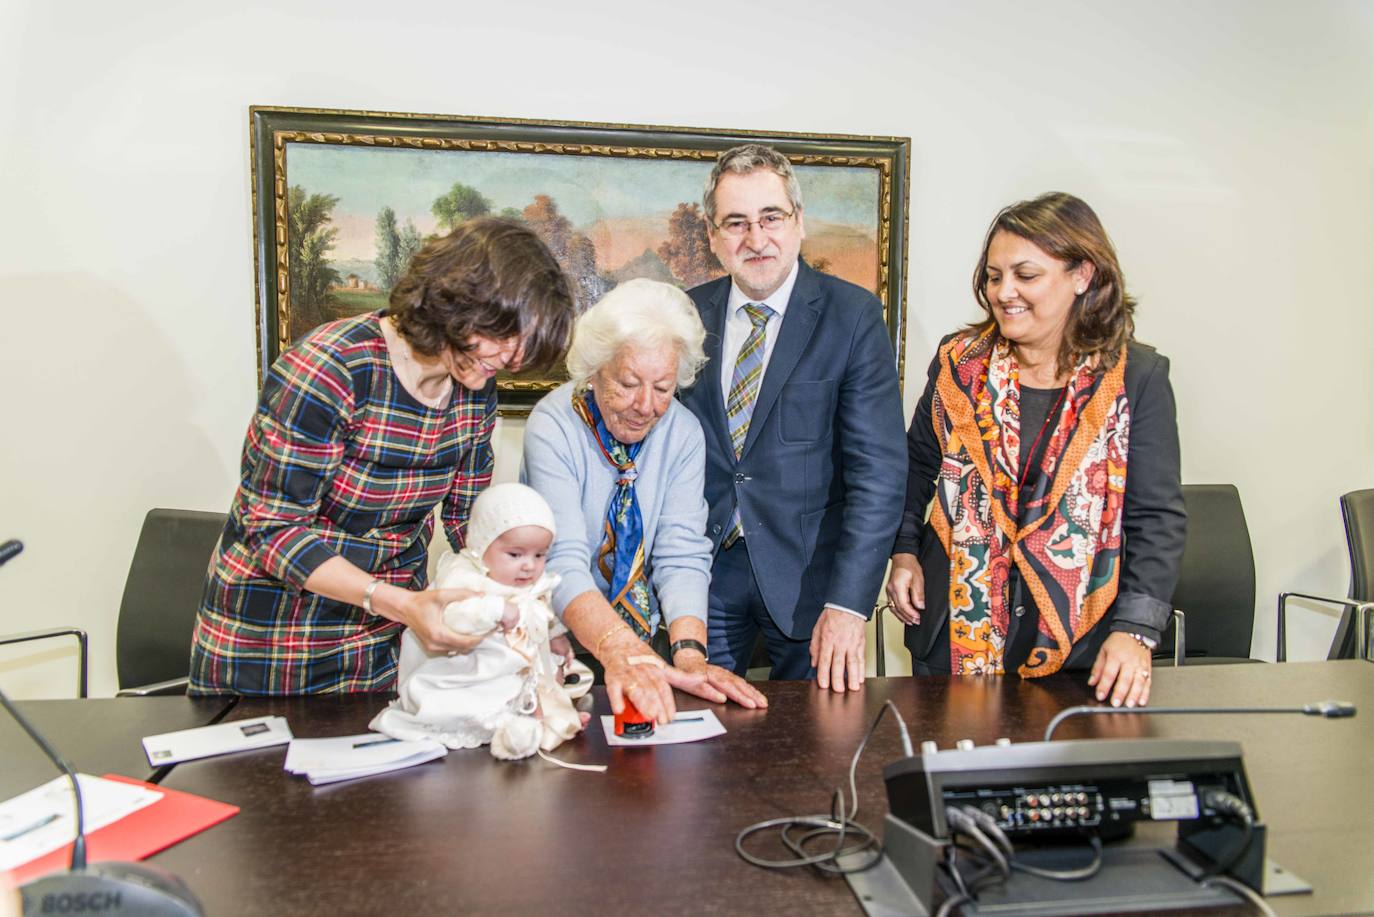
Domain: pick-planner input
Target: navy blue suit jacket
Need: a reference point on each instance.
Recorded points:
(822, 476)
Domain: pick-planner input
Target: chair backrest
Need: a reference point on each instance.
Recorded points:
(1216, 587)
(1357, 509)
(162, 595)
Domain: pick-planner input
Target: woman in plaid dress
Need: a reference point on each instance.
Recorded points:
(362, 428)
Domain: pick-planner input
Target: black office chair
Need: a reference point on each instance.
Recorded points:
(1356, 625)
(161, 597)
(158, 611)
(1215, 595)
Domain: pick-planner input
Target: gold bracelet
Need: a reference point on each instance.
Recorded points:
(611, 631)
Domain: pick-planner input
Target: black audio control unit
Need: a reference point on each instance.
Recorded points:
(1042, 789)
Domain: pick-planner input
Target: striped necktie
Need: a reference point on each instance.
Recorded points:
(744, 391)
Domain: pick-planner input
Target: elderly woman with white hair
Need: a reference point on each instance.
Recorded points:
(622, 463)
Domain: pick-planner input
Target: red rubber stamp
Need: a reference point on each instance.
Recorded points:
(631, 724)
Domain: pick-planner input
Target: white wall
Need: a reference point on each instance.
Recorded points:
(1225, 145)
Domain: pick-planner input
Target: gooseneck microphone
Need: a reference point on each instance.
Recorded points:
(1330, 709)
(9, 550)
(79, 844)
(114, 888)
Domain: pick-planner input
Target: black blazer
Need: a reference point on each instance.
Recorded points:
(1153, 521)
(820, 478)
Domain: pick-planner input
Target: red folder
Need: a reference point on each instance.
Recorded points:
(170, 820)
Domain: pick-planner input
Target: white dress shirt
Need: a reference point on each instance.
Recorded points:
(738, 325)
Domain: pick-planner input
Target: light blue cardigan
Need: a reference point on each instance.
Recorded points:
(563, 463)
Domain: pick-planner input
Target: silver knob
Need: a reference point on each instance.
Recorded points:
(964, 745)
(929, 748)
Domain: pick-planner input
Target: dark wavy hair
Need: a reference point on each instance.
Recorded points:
(1065, 227)
(489, 277)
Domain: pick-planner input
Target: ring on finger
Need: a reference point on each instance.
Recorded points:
(1143, 674)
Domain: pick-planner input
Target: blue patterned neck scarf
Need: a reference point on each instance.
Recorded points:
(621, 558)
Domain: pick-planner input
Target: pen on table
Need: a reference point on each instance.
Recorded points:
(46, 820)
(369, 742)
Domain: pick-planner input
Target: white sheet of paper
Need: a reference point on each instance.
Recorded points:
(690, 726)
(220, 739)
(345, 757)
(44, 819)
(318, 777)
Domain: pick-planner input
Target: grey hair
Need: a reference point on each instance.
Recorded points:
(741, 160)
(644, 314)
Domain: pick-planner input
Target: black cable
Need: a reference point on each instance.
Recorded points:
(962, 823)
(951, 903)
(1067, 875)
(966, 888)
(992, 829)
(1234, 808)
(837, 824)
(1244, 891)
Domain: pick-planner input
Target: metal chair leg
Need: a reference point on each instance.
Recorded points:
(1364, 616)
(1180, 646)
(880, 655)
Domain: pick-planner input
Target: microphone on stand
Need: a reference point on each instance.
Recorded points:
(109, 887)
(9, 550)
(1330, 709)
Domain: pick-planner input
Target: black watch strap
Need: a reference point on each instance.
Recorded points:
(688, 644)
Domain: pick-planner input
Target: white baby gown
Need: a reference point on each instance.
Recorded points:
(470, 699)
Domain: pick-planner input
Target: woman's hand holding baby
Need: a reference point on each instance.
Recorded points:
(423, 613)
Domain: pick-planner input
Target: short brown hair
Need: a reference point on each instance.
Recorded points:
(489, 277)
(744, 159)
(1066, 228)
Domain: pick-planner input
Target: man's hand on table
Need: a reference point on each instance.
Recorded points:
(837, 650)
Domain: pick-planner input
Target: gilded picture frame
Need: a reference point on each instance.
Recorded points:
(341, 199)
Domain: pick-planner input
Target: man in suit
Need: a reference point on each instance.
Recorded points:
(805, 462)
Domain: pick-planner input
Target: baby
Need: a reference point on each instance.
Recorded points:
(508, 691)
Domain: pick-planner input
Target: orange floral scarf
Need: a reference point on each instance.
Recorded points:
(1063, 533)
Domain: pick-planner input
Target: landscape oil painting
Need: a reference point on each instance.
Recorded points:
(350, 205)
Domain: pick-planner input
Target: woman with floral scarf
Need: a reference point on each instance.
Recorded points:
(1047, 437)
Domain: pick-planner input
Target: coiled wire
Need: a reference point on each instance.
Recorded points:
(837, 827)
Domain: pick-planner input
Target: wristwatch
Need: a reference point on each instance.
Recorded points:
(1143, 640)
(687, 644)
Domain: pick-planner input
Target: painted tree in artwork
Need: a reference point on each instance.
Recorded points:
(395, 248)
(573, 251)
(686, 251)
(458, 205)
(388, 250)
(410, 243)
(309, 239)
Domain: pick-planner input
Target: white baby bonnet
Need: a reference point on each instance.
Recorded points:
(500, 508)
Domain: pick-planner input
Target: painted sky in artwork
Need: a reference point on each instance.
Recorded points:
(587, 189)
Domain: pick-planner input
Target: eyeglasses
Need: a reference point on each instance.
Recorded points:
(769, 222)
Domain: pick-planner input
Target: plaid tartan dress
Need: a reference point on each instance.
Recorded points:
(339, 460)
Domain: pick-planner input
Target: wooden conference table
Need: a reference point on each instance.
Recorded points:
(655, 834)
(98, 736)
